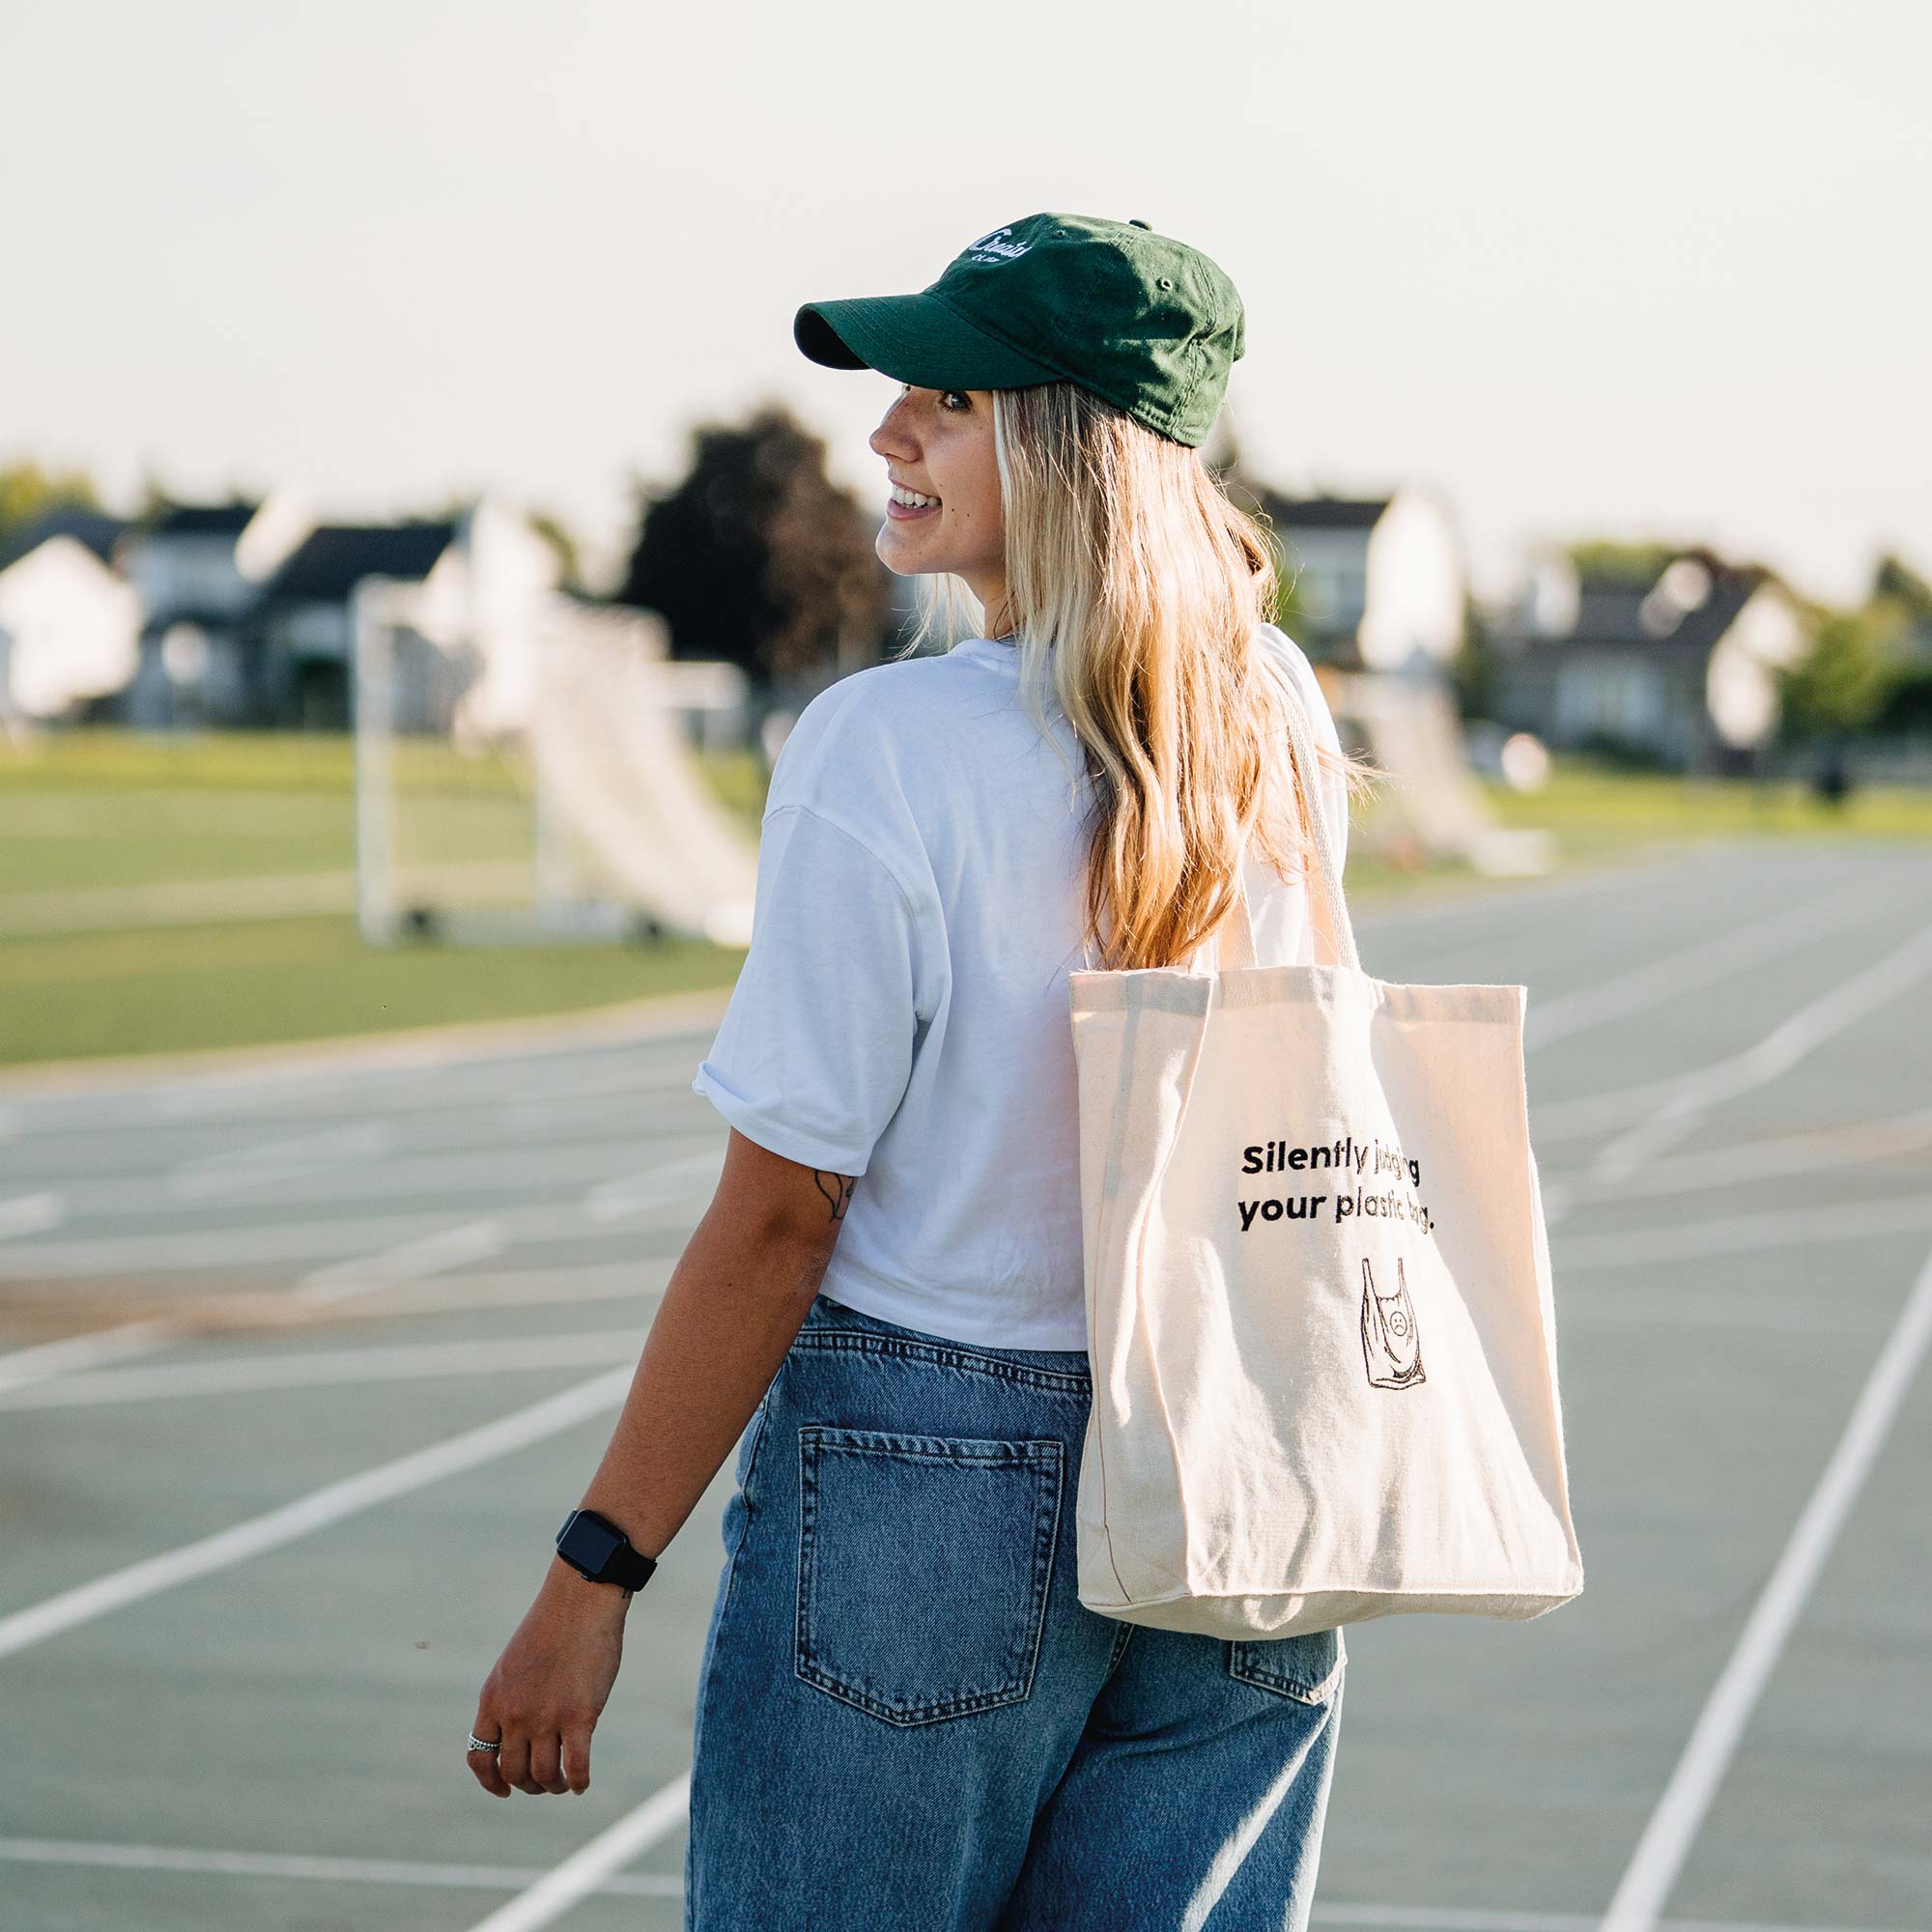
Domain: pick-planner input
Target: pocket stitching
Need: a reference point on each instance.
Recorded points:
(1249, 1669)
(961, 1356)
(1042, 1458)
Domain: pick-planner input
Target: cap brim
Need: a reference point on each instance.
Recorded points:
(915, 339)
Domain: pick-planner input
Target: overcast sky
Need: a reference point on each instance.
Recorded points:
(1652, 268)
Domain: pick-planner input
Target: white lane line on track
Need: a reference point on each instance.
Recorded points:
(272, 1243)
(1740, 1233)
(658, 1186)
(591, 1865)
(1653, 1106)
(317, 1368)
(261, 1245)
(363, 1275)
(320, 1509)
(295, 1866)
(573, 1109)
(466, 1084)
(531, 1288)
(1781, 1049)
(1729, 1313)
(516, 1288)
(72, 1852)
(358, 1182)
(256, 1166)
(1845, 1144)
(1451, 1919)
(411, 1260)
(414, 1258)
(1417, 906)
(29, 1215)
(660, 1025)
(45, 1360)
(1665, 1844)
(1552, 1121)
(158, 1108)
(1703, 964)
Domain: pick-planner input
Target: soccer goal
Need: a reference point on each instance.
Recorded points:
(1434, 804)
(532, 778)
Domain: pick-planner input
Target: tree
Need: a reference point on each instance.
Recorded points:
(1472, 670)
(27, 491)
(156, 499)
(1842, 683)
(1895, 582)
(1900, 590)
(1606, 560)
(757, 556)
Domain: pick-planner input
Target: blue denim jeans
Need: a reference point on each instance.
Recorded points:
(908, 1722)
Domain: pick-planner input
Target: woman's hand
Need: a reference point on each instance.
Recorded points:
(549, 1688)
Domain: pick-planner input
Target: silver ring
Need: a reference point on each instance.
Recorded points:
(477, 1743)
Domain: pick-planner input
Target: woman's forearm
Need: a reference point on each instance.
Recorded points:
(735, 1300)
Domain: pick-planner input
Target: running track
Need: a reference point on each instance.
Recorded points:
(301, 1365)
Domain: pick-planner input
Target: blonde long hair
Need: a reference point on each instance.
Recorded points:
(1134, 587)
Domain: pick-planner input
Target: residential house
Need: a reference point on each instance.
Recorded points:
(189, 564)
(481, 572)
(1678, 662)
(300, 641)
(1378, 583)
(70, 623)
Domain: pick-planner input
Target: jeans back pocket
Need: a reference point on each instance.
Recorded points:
(923, 1563)
(1307, 1667)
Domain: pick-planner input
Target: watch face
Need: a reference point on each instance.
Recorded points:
(588, 1542)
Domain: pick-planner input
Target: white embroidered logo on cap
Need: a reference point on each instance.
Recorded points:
(992, 246)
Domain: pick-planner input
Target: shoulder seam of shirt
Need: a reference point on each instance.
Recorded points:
(877, 858)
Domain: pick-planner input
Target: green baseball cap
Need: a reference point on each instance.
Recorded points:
(1141, 321)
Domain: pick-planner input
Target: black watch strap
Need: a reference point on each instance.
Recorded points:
(595, 1547)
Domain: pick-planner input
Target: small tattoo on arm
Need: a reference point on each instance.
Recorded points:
(836, 1189)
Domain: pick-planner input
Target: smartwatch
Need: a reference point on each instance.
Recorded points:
(595, 1547)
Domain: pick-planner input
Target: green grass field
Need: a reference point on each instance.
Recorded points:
(116, 852)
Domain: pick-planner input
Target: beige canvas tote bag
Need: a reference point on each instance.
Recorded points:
(1318, 1284)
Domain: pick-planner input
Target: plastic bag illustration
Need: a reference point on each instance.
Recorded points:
(1390, 1343)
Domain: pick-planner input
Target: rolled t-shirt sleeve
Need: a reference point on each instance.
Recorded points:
(815, 1048)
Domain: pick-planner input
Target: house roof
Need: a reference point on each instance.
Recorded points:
(1325, 513)
(205, 520)
(331, 561)
(1623, 615)
(92, 528)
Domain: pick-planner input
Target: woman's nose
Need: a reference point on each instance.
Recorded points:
(892, 436)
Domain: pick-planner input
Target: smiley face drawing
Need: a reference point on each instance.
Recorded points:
(1391, 1346)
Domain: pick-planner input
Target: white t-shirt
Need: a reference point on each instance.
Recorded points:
(902, 1012)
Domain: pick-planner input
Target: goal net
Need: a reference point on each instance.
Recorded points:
(1434, 804)
(535, 778)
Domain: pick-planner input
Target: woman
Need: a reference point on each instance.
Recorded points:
(906, 1718)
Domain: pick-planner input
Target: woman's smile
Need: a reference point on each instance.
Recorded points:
(904, 506)
(943, 473)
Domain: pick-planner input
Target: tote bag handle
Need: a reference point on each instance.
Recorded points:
(1328, 906)
(1330, 903)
